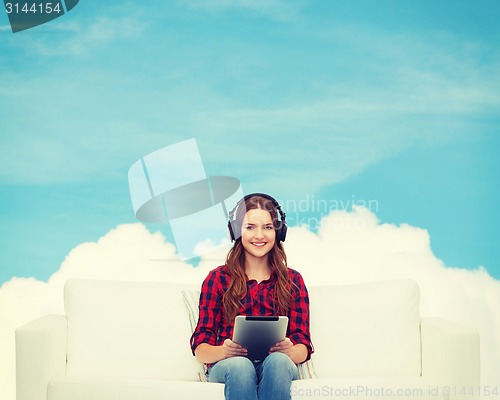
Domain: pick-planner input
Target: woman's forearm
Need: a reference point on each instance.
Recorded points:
(208, 354)
(299, 353)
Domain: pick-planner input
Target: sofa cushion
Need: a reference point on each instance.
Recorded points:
(369, 329)
(128, 330)
(131, 389)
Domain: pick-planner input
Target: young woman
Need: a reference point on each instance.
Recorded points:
(255, 280)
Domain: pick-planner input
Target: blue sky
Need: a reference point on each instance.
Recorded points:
(393, 101)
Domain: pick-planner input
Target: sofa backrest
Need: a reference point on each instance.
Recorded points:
(141, 330)
(128, 330)
(370, 329)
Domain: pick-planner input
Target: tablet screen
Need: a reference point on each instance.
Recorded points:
(259, 333)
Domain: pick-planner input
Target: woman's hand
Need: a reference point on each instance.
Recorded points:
(285, 346)
(231, 349)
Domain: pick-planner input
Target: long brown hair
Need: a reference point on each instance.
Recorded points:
(235, 264)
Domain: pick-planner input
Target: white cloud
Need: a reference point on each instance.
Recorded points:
(209, 246)
(349, 247)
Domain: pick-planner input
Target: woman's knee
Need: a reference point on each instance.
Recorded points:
(278, 359)
(279, 363)
(241, 365)
(234, 368)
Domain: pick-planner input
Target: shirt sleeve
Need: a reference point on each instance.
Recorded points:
(298, 326)
(209, 312)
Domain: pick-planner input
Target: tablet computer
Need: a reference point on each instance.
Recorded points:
(258, 334)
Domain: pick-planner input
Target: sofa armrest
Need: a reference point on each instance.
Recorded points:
(40, 355)
(450, 356)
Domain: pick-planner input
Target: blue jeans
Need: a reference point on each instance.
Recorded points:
(270, 379)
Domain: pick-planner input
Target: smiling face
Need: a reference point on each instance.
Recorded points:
(257, 233)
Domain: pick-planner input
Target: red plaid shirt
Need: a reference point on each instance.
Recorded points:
(213, 328)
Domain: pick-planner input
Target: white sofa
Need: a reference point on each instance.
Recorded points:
(130, 340)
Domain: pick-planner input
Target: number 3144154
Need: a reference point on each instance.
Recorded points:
(33, 8)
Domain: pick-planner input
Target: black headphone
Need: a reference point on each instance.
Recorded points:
(234, 226)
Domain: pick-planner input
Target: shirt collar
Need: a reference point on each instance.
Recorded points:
(272, 278)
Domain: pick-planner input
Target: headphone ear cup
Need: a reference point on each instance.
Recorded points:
(234, 230)
(282, 232)
(230, 231)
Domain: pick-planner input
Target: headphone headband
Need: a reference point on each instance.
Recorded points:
(234, 226)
